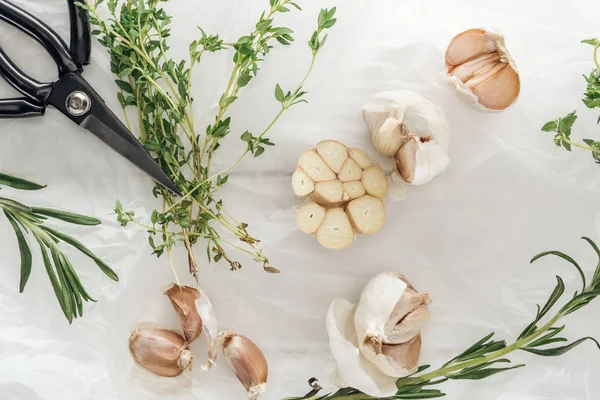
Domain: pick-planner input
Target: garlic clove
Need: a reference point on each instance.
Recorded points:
(183, 299)
(367, 214)
(420, 160)
(309, 217)
(482, 70)
(361, 158)
(314, 166)
(467, 70)
(335, 232)
(247, 361)
(354, 189)
(467, 45)
(333, 153)
(389, 137)
(405, 355)
(410, 326)
(375, 182)
(328, 193)
(353, 370)
(160, 351)
(350, 171)
(302, 184)
(499, 91)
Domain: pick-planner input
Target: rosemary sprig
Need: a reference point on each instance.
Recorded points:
(159, 88)
(487, 356)
(561, 127)
(24, 220)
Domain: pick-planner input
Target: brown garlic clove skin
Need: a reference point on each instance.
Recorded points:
(161, 351)
(183, 299)
(481, 68)
(247, 361)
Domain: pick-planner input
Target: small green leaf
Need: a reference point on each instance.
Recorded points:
(259, 151)
(550, 126)
(558, 351)
(52, 276)
(124, 86)
(590, 41)
(69, 217)
(279, 93)
(23, 249)
(19, 183)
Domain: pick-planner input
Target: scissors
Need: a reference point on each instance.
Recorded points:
(71, 94)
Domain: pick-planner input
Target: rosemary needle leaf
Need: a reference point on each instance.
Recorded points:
(558, 351)
(423, 394)
(79, 246)
(14, 205)
(564, 257)
(19, 183)
(482, 373)
(69, 217)
(54, 281)
(26, 258)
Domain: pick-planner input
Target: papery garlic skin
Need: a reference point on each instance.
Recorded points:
(183, 299)
(384, 317)
(160, 351)
(480, 68)
(247, 361)
(353, 370)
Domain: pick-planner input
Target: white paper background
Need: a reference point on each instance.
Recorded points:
(466, 237)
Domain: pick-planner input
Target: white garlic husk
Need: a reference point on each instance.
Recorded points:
(396, 118)
(480, 68)
(379, 340)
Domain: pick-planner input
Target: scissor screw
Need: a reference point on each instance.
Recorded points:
(78, 103)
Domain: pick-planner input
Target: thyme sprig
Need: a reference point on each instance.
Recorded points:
(488, 357)
(562, 127)
(26, 220)
(160, 90)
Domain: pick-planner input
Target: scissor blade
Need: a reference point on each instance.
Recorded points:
(123, 144)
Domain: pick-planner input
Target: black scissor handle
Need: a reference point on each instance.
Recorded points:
(25, 84)
(41, 32)
(20, 108)
(81, 39)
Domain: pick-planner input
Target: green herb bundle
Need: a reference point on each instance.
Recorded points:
(487, 356)
(26, 220)
(160, 90)
(562, 127)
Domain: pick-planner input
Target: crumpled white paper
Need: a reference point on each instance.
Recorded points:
(466, 237)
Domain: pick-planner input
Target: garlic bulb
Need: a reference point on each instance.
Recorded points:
(379, 340)
(411, 129)
(247, 361)
(481, 69)
(346, 191)
(160, 351)
(183, 299)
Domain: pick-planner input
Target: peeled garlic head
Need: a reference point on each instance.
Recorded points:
(345, 190)
(420, 160)
(160, 351)
(481, 69)
(414, 114)
(247, 361)
(384, 321)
